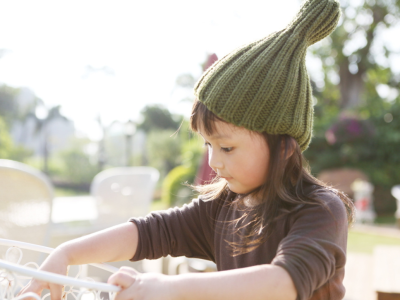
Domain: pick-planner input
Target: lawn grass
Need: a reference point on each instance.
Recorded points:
(365, 242)
(65, 192)
(385, 219)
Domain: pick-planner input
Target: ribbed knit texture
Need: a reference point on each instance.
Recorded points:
(264, 86)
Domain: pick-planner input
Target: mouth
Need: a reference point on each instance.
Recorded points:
(226, 178)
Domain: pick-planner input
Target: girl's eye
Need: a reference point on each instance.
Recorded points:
(227, 149)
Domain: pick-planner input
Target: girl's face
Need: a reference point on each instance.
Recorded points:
(237, 155)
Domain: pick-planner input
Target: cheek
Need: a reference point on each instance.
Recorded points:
(257, 166)
(252, 170)
(257, 171)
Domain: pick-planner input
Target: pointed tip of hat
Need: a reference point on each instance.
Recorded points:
(316, 20)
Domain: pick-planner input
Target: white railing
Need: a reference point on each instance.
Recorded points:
(13, 276)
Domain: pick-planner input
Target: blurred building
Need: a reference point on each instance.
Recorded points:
(29, 133)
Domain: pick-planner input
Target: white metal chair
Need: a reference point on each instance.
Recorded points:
(122, 193)
(26, 202)
(14, 275)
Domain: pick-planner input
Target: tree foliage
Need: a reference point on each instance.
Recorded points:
(8, 150)
(164, 150)
(353, 50)
(8, 103)
(357, 113)
(156, 117)
(41, 127)
(176, 190)
(5, 140)
(13, 108)
(77, 167)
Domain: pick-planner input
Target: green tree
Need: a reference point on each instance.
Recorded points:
(8, 150)
(156, 117)
(8, 103)
(10, 107)
(164, 150)
(352, 51)
(42, 127)
(77, 166)
(175, 189)
(5, 141)
(356, 69)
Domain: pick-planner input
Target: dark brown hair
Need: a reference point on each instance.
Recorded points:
(282, 192)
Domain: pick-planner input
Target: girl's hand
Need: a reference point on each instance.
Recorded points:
(146, 286)
(57, 263)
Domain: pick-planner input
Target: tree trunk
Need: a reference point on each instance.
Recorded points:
(351, 87)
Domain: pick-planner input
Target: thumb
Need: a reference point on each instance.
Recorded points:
(129, 271)
(124, 278)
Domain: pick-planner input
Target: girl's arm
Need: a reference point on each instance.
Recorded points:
(268, 282)
(113, 244)
(265, 282)
(116, 243)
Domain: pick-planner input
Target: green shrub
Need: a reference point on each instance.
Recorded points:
(77, 167)
(6, 144)
(163, 150)
(174, 191)
(376, 155)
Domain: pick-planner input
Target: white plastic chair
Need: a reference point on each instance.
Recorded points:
(122, 193)
(182, 265)
(26, 202)
(14, 275)
(396, 193)
(116, 195)
(119, 194)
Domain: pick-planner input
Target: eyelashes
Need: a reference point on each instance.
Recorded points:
(226, 150)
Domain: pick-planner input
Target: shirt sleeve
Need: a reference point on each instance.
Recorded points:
(186, 231)
(315, 245)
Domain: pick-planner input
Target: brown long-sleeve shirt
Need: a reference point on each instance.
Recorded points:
(310, 243)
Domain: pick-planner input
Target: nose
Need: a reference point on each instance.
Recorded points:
(214, 160)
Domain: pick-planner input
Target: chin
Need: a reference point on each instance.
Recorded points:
(237, 190)
(240, 189)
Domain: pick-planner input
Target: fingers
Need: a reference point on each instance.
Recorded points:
(124, 278)
(56, 291)
(37, 287)
(121, 279)
(127, 294)
(33, 286)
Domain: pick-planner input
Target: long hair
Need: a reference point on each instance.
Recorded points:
(281, 193)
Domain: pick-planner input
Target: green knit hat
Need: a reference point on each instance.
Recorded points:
(264, 86)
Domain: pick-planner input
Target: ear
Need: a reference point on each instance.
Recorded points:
(290, 147)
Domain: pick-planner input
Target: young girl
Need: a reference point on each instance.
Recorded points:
(274, 231)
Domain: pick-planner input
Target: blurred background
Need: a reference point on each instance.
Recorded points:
(86, 86)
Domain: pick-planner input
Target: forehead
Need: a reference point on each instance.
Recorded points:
(223, 130)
